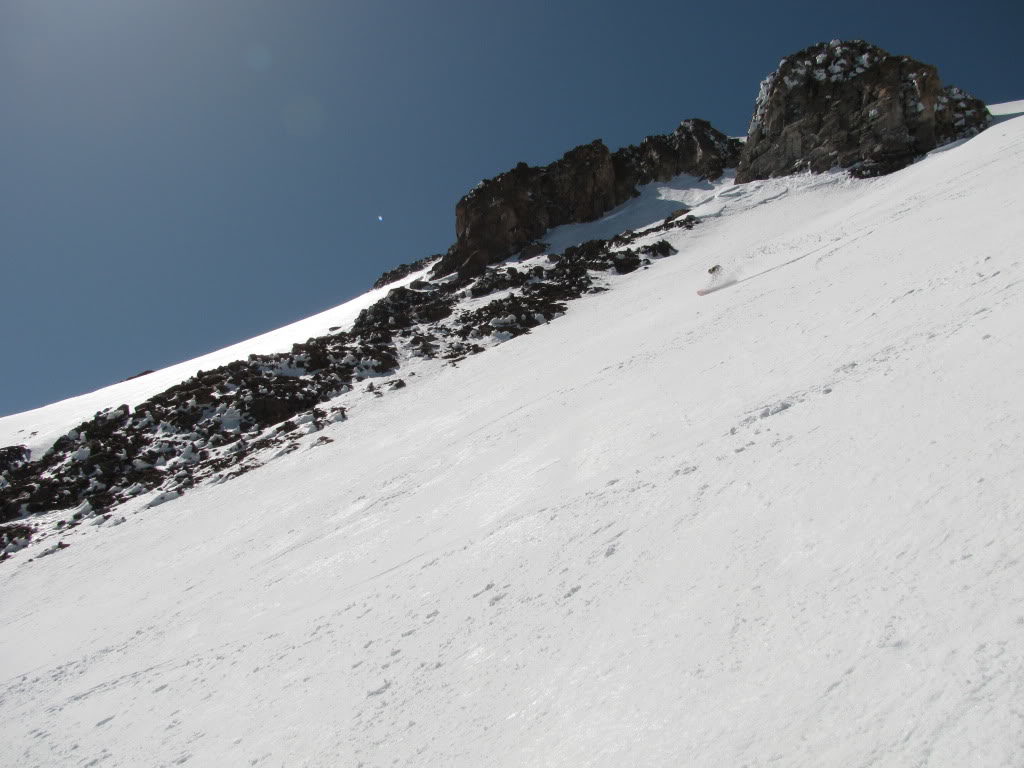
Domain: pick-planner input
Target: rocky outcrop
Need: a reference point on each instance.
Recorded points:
(204, 426)
(222, 423)
(503, 215)
(13, 457)
(839, 104)
(403, 270)
(402, 308)
(852, 105)
(695, 147)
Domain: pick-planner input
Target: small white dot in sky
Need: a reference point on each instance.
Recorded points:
(380, 218)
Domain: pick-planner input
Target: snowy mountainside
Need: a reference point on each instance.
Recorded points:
(779, 524)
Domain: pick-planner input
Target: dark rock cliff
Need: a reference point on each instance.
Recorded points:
(504, 214)
(853, 105)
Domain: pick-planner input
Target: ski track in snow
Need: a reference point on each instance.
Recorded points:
(778, 525)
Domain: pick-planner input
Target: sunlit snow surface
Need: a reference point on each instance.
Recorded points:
(778, 525)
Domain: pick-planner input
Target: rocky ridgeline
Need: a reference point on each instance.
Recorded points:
(839, 104)
(853, 105)
(222, 423)
(503, 215)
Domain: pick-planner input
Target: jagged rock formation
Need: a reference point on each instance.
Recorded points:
(503, 215)
(403, 270)
(852, 105)
(12, 457)
(201, 427)
(222, 423)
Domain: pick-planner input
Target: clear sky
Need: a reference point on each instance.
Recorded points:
(178, 175)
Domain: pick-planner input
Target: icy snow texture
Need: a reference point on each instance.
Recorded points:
(780, 524)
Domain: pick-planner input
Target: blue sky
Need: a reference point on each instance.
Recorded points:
(178, 175)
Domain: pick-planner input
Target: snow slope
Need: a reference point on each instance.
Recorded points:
(777, 525)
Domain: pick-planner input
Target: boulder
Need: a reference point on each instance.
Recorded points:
(852, 105)
(13, 457)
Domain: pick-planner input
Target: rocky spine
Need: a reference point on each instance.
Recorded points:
(503, 215)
